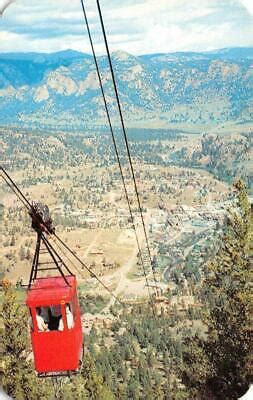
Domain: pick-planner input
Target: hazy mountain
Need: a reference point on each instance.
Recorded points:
(61, 89)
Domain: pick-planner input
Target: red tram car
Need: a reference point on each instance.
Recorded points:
(58, 344)
(55, 320)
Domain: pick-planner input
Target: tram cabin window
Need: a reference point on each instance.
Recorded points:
(68, 317)
(39, 315)
(55, 314)
(41, 324)
(53, 317)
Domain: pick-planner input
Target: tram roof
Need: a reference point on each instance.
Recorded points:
(51, 290)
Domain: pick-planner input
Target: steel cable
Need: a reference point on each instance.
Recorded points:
(25, 202)
(126, 140)
(115, 144)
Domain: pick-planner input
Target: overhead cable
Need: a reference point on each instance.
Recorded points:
(25, 202)
(86, 267)
(126, 141)
(6, 177)
(115, 145)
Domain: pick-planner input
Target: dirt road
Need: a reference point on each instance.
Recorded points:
(124, 284)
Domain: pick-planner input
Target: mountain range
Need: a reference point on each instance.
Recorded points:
(61, 90)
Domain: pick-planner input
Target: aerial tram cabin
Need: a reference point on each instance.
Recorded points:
(57, 345)
(55, 321)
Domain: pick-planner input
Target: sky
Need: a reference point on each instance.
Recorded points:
(134, 26)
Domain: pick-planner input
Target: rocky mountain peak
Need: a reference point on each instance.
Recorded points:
(194, 88)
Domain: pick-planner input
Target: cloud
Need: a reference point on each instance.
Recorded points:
(136, 26)
(248, 4)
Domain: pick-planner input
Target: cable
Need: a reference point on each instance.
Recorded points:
(15, 186)
(126, 140)
(19, 197)
(49, 246)
(24, 200)
(114, 143)
(63, 252)
(86, 267)
(92, 274)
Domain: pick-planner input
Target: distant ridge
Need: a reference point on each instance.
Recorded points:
(230, 52)
(61, 89)
(227, 53)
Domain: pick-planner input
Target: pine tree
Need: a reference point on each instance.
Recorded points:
(19, 380)
(92, 381)
(121, 391)
(28, 254)
(228, 282)
(225, 353)
(22, 253)
(74, 389)
(13, 241)
(133, 388)
(173, 391)
(196, 369)
(157, 386)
